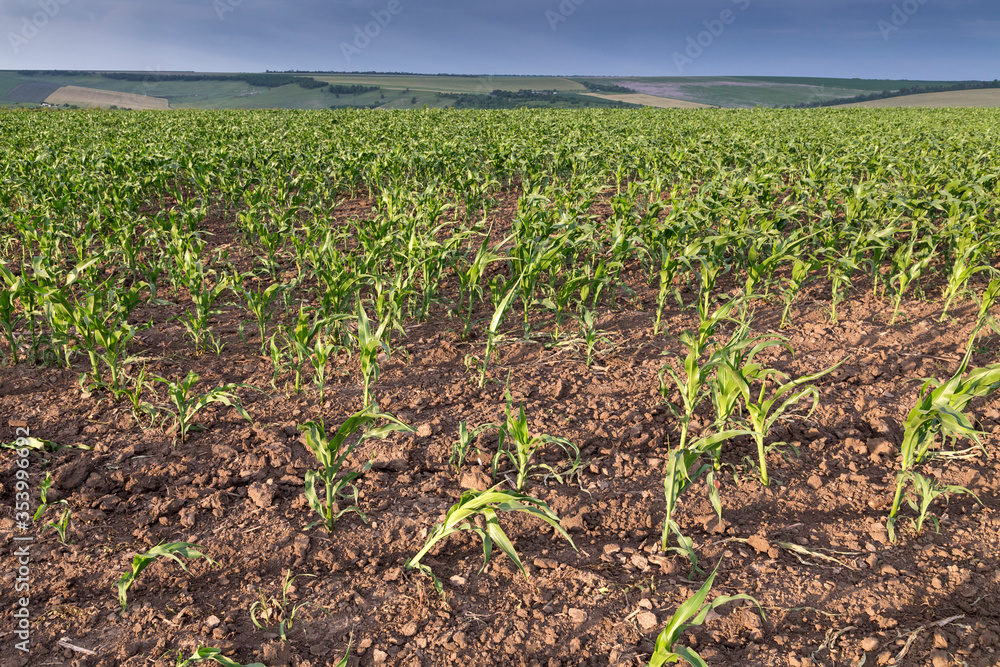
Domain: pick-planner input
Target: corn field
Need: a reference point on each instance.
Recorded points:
(274, 381)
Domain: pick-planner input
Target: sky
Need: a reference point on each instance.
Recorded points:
(902, 39)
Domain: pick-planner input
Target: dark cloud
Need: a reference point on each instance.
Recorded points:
(921, 39)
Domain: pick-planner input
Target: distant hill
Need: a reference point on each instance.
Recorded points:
(323, 90)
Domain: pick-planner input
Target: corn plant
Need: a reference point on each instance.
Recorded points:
(215, 655)
(965, 264)
(259, 304)
(370, 344)
(669, 263)
(103, 331)
(529, 262)
(502, 294)
(588, 329)
(134, 395)
(303, 338)
(768, 407)
(762, 261)
(460, 448)
(840, 269)
(265, 612)
(692, 612)
(10, 318)
(203, 297)
(187, 404)
(140, 562)
(60, 525)
(733, 363)
(801, 271)
(318, 358)
(940, 411)
(928, 491)
(562, 296)
(486, 504)
(331, 453)
(469, 279)
(520, 446)
(907, 267)
(696, 373)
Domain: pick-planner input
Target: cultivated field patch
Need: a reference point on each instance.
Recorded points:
(103, 99)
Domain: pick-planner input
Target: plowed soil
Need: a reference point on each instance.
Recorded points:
(812, 547)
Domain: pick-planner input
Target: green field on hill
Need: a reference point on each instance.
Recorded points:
(402, 91)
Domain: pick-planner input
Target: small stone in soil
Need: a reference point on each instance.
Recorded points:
(647, 621)
(759, 543)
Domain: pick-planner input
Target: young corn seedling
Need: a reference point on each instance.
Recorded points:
(520, 446)
(801, 271)
(940, 411)
(60, 525)
(302, 338)
(203, 298)
(10, 319)
(680, 464)
(967, 255)
(764, 256)
(101, 323)
(370, 344)
(214, 655)
(469, 279)
(928, 491)
(267, 613)
(588, 329)
(187, 405)
(321, 351)
(140, 562)
(692, 612)
(762, 411)
(907, 267)
(669, 263)
(839, 272)
(259, 304)
(570, 286)
(502, 294)
(134, 396)
(485, 504)
(726, 386)
(460, 448)
(696, 373)
(332, 454)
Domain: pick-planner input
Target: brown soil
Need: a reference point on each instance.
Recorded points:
(236, 489)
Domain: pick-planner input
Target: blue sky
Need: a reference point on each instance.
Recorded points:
(914, 39)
